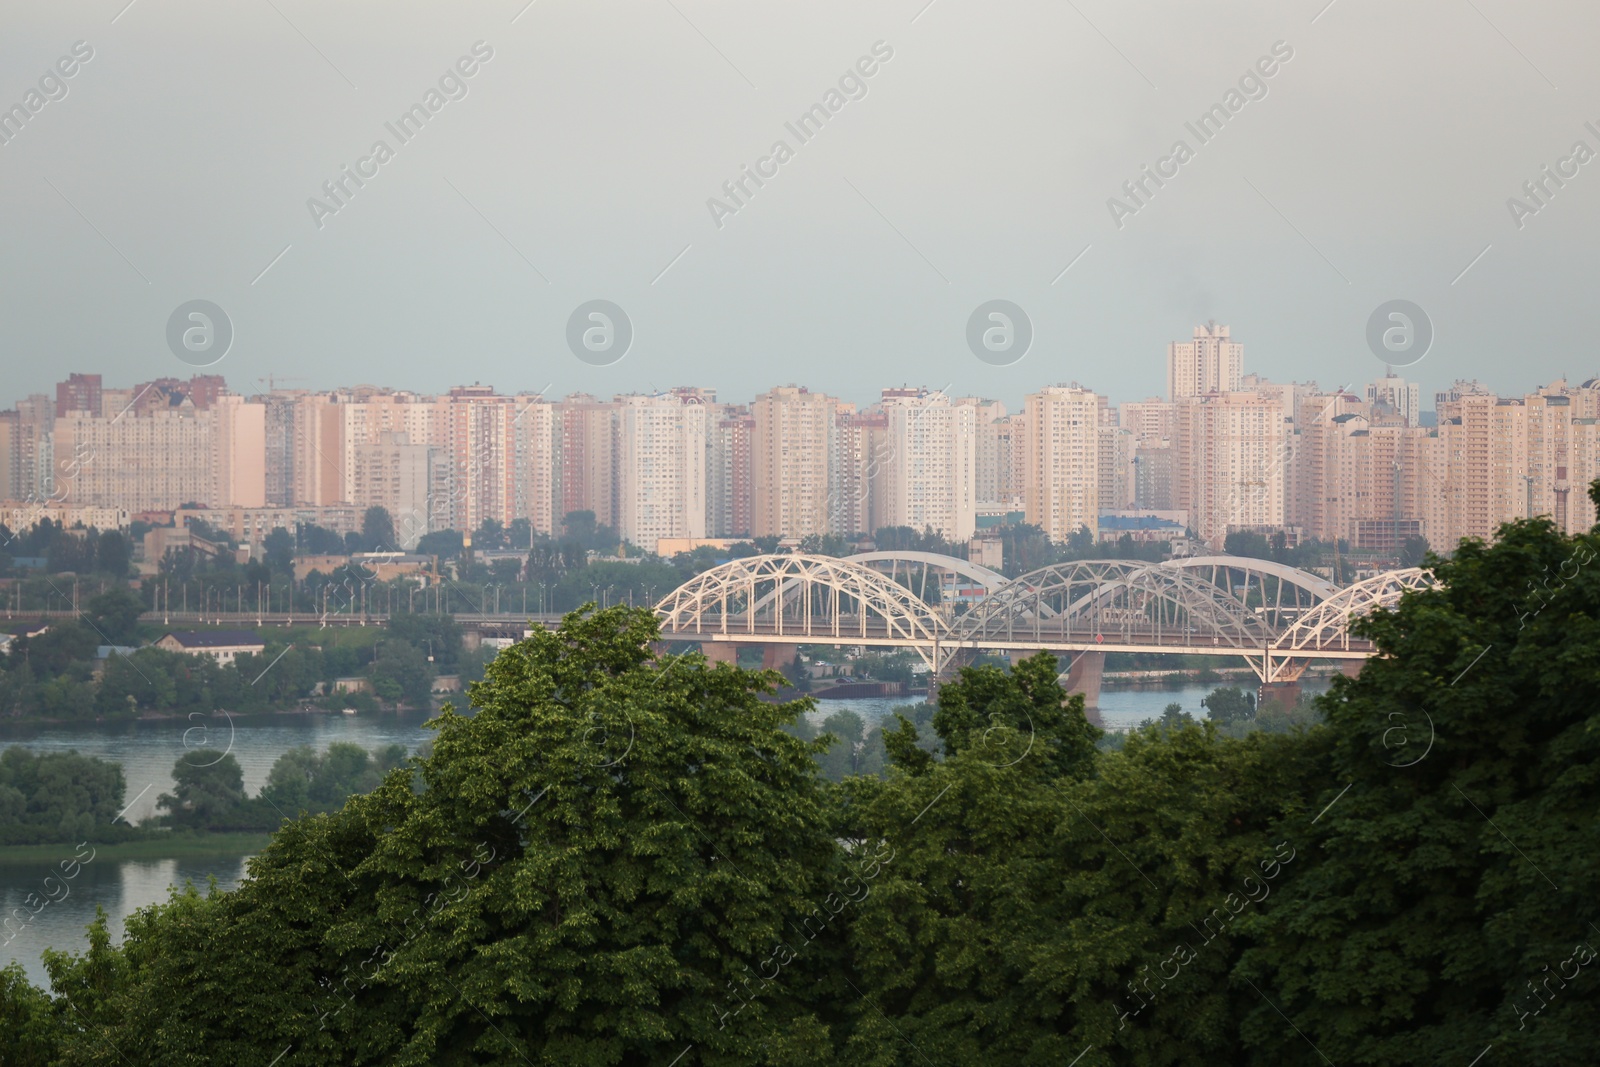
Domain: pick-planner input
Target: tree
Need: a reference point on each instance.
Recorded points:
(1455, 879)
(520, 534)
(278, 551)
(401, 673)
(314, 540)
(1414, 552)
(377, 530)
(30, 1032)
(446, 544)
(209, 794)
(114, 615)
(303, 780)
(847, 731)
(491, 533)
(590, 535)
(938, 832)
(111, 554)
(1247, 543)
(71, 554)
(1229, 705)
(57, 797)
(64, 646)
(438, 636)
(613, 855)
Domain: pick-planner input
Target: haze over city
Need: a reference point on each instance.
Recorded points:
(978, 164)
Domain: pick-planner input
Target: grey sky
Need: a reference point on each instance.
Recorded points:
(977, 166)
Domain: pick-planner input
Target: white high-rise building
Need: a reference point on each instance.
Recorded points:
(1062, 479)
(661, 467)
(791, 450)
(929, 471)
(1231, 463)
(1394, 391)
(1211, 363)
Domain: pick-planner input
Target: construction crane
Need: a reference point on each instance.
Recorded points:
(272, 381)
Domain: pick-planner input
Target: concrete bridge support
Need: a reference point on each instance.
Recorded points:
(1284, 694)
(1083, 676)
(773, 656)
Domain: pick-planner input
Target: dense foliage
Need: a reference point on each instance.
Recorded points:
(625, 858)
(209, 794)
(58, 675)
(58, 797)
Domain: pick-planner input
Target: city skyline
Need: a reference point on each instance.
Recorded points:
(1230, 452)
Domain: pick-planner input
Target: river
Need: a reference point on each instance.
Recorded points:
(148, 749)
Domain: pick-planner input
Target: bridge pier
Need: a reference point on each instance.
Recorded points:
(1284, 694)
(1083, 676)
(773, 656)
(720, 652)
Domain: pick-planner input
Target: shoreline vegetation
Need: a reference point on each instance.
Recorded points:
(164, 846)
(13, 725)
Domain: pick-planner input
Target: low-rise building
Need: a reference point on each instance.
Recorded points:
(222, 645)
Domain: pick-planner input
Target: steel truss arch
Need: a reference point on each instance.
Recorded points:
(796, 597)
(1114, 600)
(1275, 592)
(1327, 626)
(991, 580)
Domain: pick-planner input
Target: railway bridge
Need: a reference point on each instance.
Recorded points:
(1275, 618)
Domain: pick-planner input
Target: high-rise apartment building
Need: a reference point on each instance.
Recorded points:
(1210, 363)
(929, 471)
(1403, 397)
(586, 429)
(1062, 479)
(994, 447)
(861, 453)
(730, 471)
(80, 392)
(396, 475)
(791, 449)
(1150, 420)
(1154, 478)
(661, 468)
(1117, 477)
(163, 458)
(1229, 464)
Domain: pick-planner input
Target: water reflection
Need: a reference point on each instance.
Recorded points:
(121, 887)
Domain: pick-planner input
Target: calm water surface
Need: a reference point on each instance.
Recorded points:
(147, 751)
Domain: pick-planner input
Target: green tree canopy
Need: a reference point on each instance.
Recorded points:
(377, 530)
(57, 797)
(1228, 705)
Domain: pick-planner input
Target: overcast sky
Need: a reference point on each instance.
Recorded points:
(978, 165)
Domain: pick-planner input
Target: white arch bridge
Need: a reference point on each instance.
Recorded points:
(1278, 619)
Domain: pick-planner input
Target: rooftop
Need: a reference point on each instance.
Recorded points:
(215, 638)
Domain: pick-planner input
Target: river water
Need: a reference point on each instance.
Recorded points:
(147, 750)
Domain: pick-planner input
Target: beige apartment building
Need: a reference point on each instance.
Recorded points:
(157, 459)
(791, 462)
(1209, 363)
(730, 449)
(586, 457)
(1061, 483)
(929, 468)
(1230, 461)
(661, 467)
(861, 451)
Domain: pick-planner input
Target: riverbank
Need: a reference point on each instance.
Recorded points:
(223, 713)
(161, 847)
